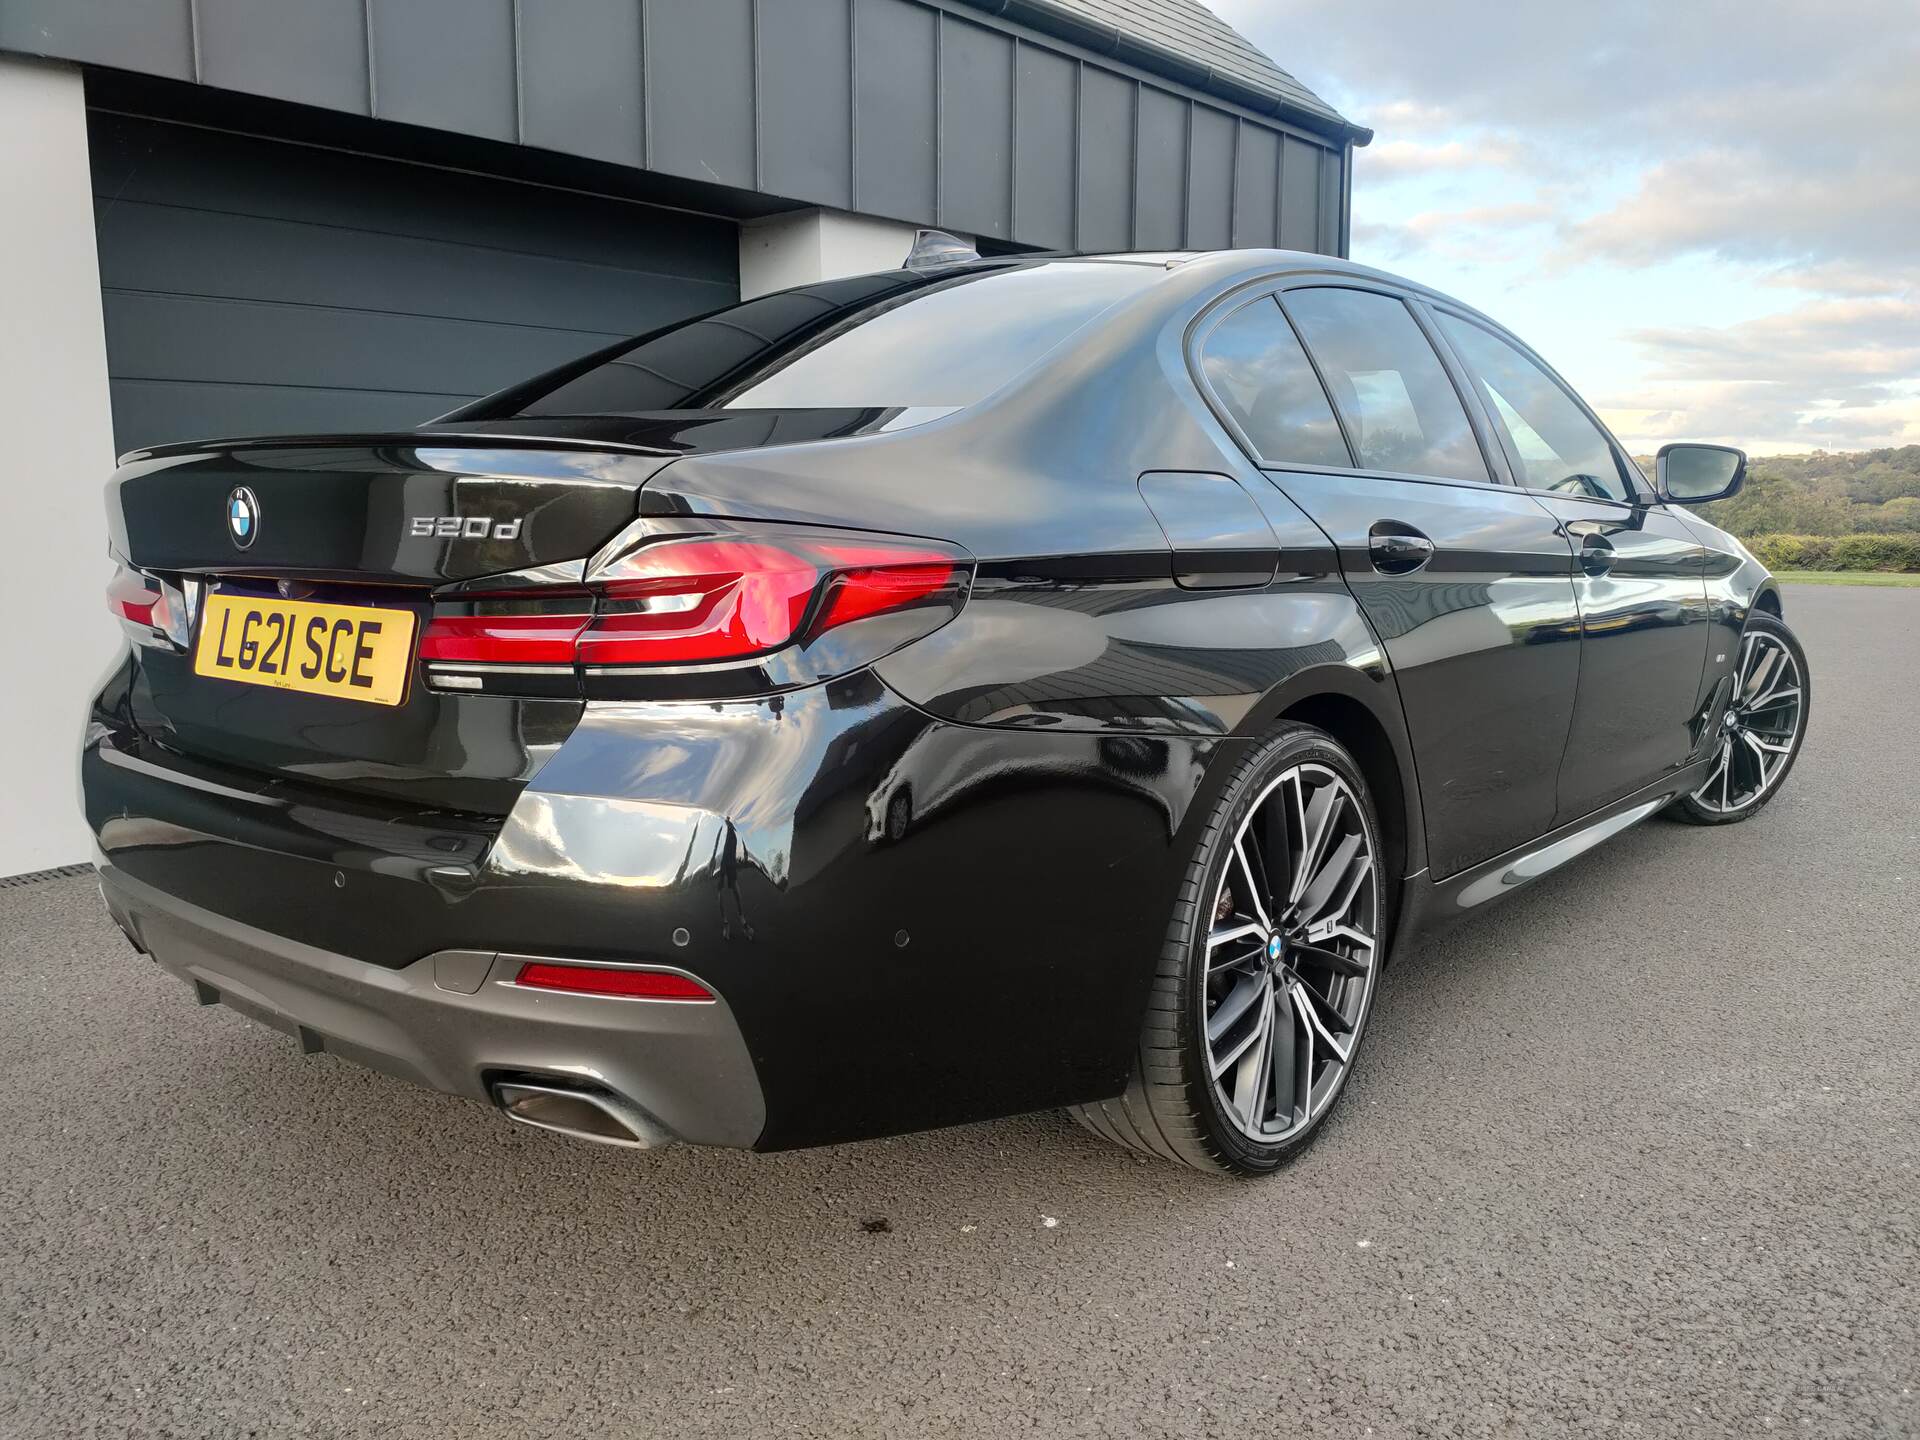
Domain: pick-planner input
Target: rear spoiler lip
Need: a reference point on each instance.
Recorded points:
(414, 439)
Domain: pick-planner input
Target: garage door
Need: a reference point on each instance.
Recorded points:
(253, 286)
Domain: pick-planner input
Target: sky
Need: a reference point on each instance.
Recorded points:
(1705, 215)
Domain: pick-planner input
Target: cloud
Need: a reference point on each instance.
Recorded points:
(1398, 159)
(1766, 131)
(1827, 374)
(1760, 417)
(1773, 144)
(1477, 233)
(1838, 344)
(1741, 206)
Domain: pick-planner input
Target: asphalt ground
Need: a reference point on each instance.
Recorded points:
(1633, 1155)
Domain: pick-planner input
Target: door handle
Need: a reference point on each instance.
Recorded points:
(1397, 549)
(1596, 553)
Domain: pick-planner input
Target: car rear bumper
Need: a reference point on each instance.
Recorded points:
(910, 922)
(455, 1021)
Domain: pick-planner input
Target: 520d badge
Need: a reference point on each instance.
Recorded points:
(454, 527)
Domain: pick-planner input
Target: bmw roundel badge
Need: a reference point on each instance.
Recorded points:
(243, 516)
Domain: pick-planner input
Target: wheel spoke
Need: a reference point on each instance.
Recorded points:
(1303, 1072)
(1333, 872)
(1238, 1001)
(1286, 1063)
(1763, 774)
(1230, 933)
(1317, 823)
(1235, 1052)
(1765, 661)
(1250, 877)
(1328, 959)
(1334, 1017)
(1316, 1024)
(1250, 1082)
(1339, 930)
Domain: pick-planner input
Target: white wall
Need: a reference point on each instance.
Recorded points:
(56, 639)
(802, 246)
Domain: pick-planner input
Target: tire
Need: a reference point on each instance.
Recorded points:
(1173, 1107)
(1747, 729)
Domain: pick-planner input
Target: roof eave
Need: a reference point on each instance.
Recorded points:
(1055, 20)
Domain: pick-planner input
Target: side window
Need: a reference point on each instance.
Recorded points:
(1255, 365)
(1402, 411)
(1552, 444)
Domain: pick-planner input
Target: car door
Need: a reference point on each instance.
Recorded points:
(1640, 574)
(1467, 582)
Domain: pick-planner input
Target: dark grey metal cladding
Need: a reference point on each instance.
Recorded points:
(976, 110)
(314, 53)
(252, 286)
(1194, 44)
(701, 61)
(987, 118)
(895, 116)
(1046, 97)
(806, 122)
(581, 83)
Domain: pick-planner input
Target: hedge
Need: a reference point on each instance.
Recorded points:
(1837, 552)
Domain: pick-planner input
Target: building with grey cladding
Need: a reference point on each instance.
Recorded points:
(255, 216)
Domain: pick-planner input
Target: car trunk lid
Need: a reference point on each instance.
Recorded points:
(358, 526)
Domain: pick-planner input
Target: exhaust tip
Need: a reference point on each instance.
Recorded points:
(583, 1114)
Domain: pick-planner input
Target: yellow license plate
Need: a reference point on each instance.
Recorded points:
(352, 652)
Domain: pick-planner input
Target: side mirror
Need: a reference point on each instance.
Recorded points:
(1695, 474)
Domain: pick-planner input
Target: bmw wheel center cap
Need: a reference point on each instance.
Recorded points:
(1276, 947)
(243, 516)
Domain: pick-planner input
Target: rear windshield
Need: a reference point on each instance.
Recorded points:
(872, 341)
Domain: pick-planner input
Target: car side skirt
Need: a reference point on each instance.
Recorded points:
(1428, 906)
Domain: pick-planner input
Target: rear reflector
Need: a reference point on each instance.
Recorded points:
(605, 980)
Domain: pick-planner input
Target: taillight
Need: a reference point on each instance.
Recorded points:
(133, 597)
(510, 632)
(692, 600)
(145, 608)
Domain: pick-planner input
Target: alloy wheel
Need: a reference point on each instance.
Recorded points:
(1291, 953)
(1760, 729)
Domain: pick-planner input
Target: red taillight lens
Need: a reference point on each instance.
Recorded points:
(695, 600)
(537, 639)
(605, 980)
(134, 598)
(699, 599)
(876, 589)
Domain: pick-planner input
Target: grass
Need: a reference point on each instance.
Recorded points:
(1844, 577)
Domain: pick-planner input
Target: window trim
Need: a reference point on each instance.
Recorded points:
(1271, 287)
(1469, 410)
(1197, 366)
(1639, 497)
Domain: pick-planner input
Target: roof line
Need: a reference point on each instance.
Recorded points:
(1053, 18)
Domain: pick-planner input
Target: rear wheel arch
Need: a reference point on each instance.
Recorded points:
(1767, 598)
(1363, 714)
(1360, 732)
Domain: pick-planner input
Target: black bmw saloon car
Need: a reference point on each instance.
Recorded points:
(917, 698)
